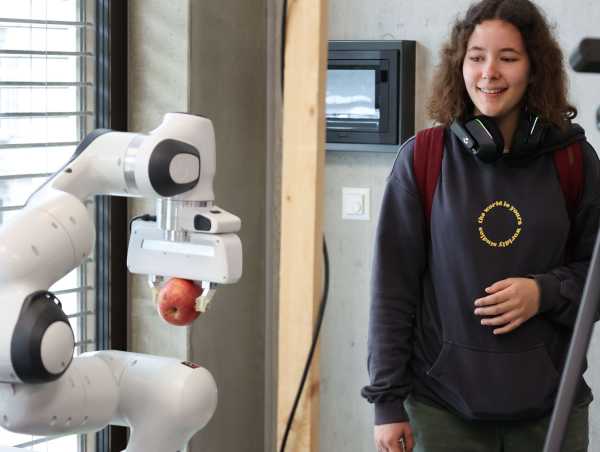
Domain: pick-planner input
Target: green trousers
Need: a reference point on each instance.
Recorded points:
(438, 430)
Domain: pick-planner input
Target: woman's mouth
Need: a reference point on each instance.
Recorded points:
(492, 91)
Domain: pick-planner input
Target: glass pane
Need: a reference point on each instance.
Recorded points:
(64, 444)
(16, 192)
(38, 37)
(90, 329)
(39, 99)
(40, 68)
(8, 216)
(74, 321)
(12, 439)
(70, 303)
(65, 10)
(351, 94)
(39, 130)
(69, 281)
(36, 160)
(90, 267)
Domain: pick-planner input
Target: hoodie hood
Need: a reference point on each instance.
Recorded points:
(552, 139)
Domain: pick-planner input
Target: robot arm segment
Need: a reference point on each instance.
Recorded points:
(177, 159)
(191, 238)
(174, 164)
(43, 243)
(53, 234)
(162, 400)
(84, 399)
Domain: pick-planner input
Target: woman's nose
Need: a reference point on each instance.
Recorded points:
(490, 71)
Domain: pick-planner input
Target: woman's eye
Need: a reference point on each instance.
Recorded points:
(476, 59)
(509, 60)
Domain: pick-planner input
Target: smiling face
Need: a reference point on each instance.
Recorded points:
(496, 70)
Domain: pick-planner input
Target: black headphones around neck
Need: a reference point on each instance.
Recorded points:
(481, 136)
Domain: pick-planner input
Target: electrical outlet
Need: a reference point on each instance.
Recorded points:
(355, 203)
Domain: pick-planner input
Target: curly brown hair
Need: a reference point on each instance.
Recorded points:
(546, 94)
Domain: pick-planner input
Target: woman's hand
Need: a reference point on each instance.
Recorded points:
(509, 304)
(388, 436)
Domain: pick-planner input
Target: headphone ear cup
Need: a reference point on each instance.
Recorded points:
(464, 137)
(490, 142)
(537, 134)
(529, 134)
(536, 131)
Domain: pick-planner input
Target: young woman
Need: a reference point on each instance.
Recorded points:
(473, 307)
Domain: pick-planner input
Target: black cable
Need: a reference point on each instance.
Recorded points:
(144, 217)
(283, 41)
(313, 346)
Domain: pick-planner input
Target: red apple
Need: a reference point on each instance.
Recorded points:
(176, 301)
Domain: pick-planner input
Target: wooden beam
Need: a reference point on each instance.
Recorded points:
(303, 159)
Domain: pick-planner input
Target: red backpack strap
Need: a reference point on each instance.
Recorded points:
(427, 163)
(569, 166)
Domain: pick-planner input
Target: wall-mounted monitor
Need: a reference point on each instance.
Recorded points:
(370, 100)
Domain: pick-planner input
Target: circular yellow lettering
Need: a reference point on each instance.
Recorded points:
(518, 224)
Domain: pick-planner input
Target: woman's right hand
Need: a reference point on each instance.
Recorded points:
(387, 437)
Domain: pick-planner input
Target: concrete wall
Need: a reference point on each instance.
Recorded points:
(346, 420)
(273, 215)
(228, 85)
(158, 83)
(209, 58)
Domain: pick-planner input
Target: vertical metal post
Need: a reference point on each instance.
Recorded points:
(102, 202)
(111, 212)
(580, 341)
(586, 58)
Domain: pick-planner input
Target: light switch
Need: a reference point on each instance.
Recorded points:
(355, 203)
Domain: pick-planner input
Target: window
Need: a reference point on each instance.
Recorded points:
(46, 107)
(370, 95)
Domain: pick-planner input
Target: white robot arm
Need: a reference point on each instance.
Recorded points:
(43, 390)
(118, 388)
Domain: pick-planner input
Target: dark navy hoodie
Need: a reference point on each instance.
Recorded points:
(488, 222)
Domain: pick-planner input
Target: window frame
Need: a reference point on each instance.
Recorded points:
(394, 65)
(111, 212)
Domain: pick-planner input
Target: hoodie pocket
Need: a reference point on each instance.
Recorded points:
(493, 385)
